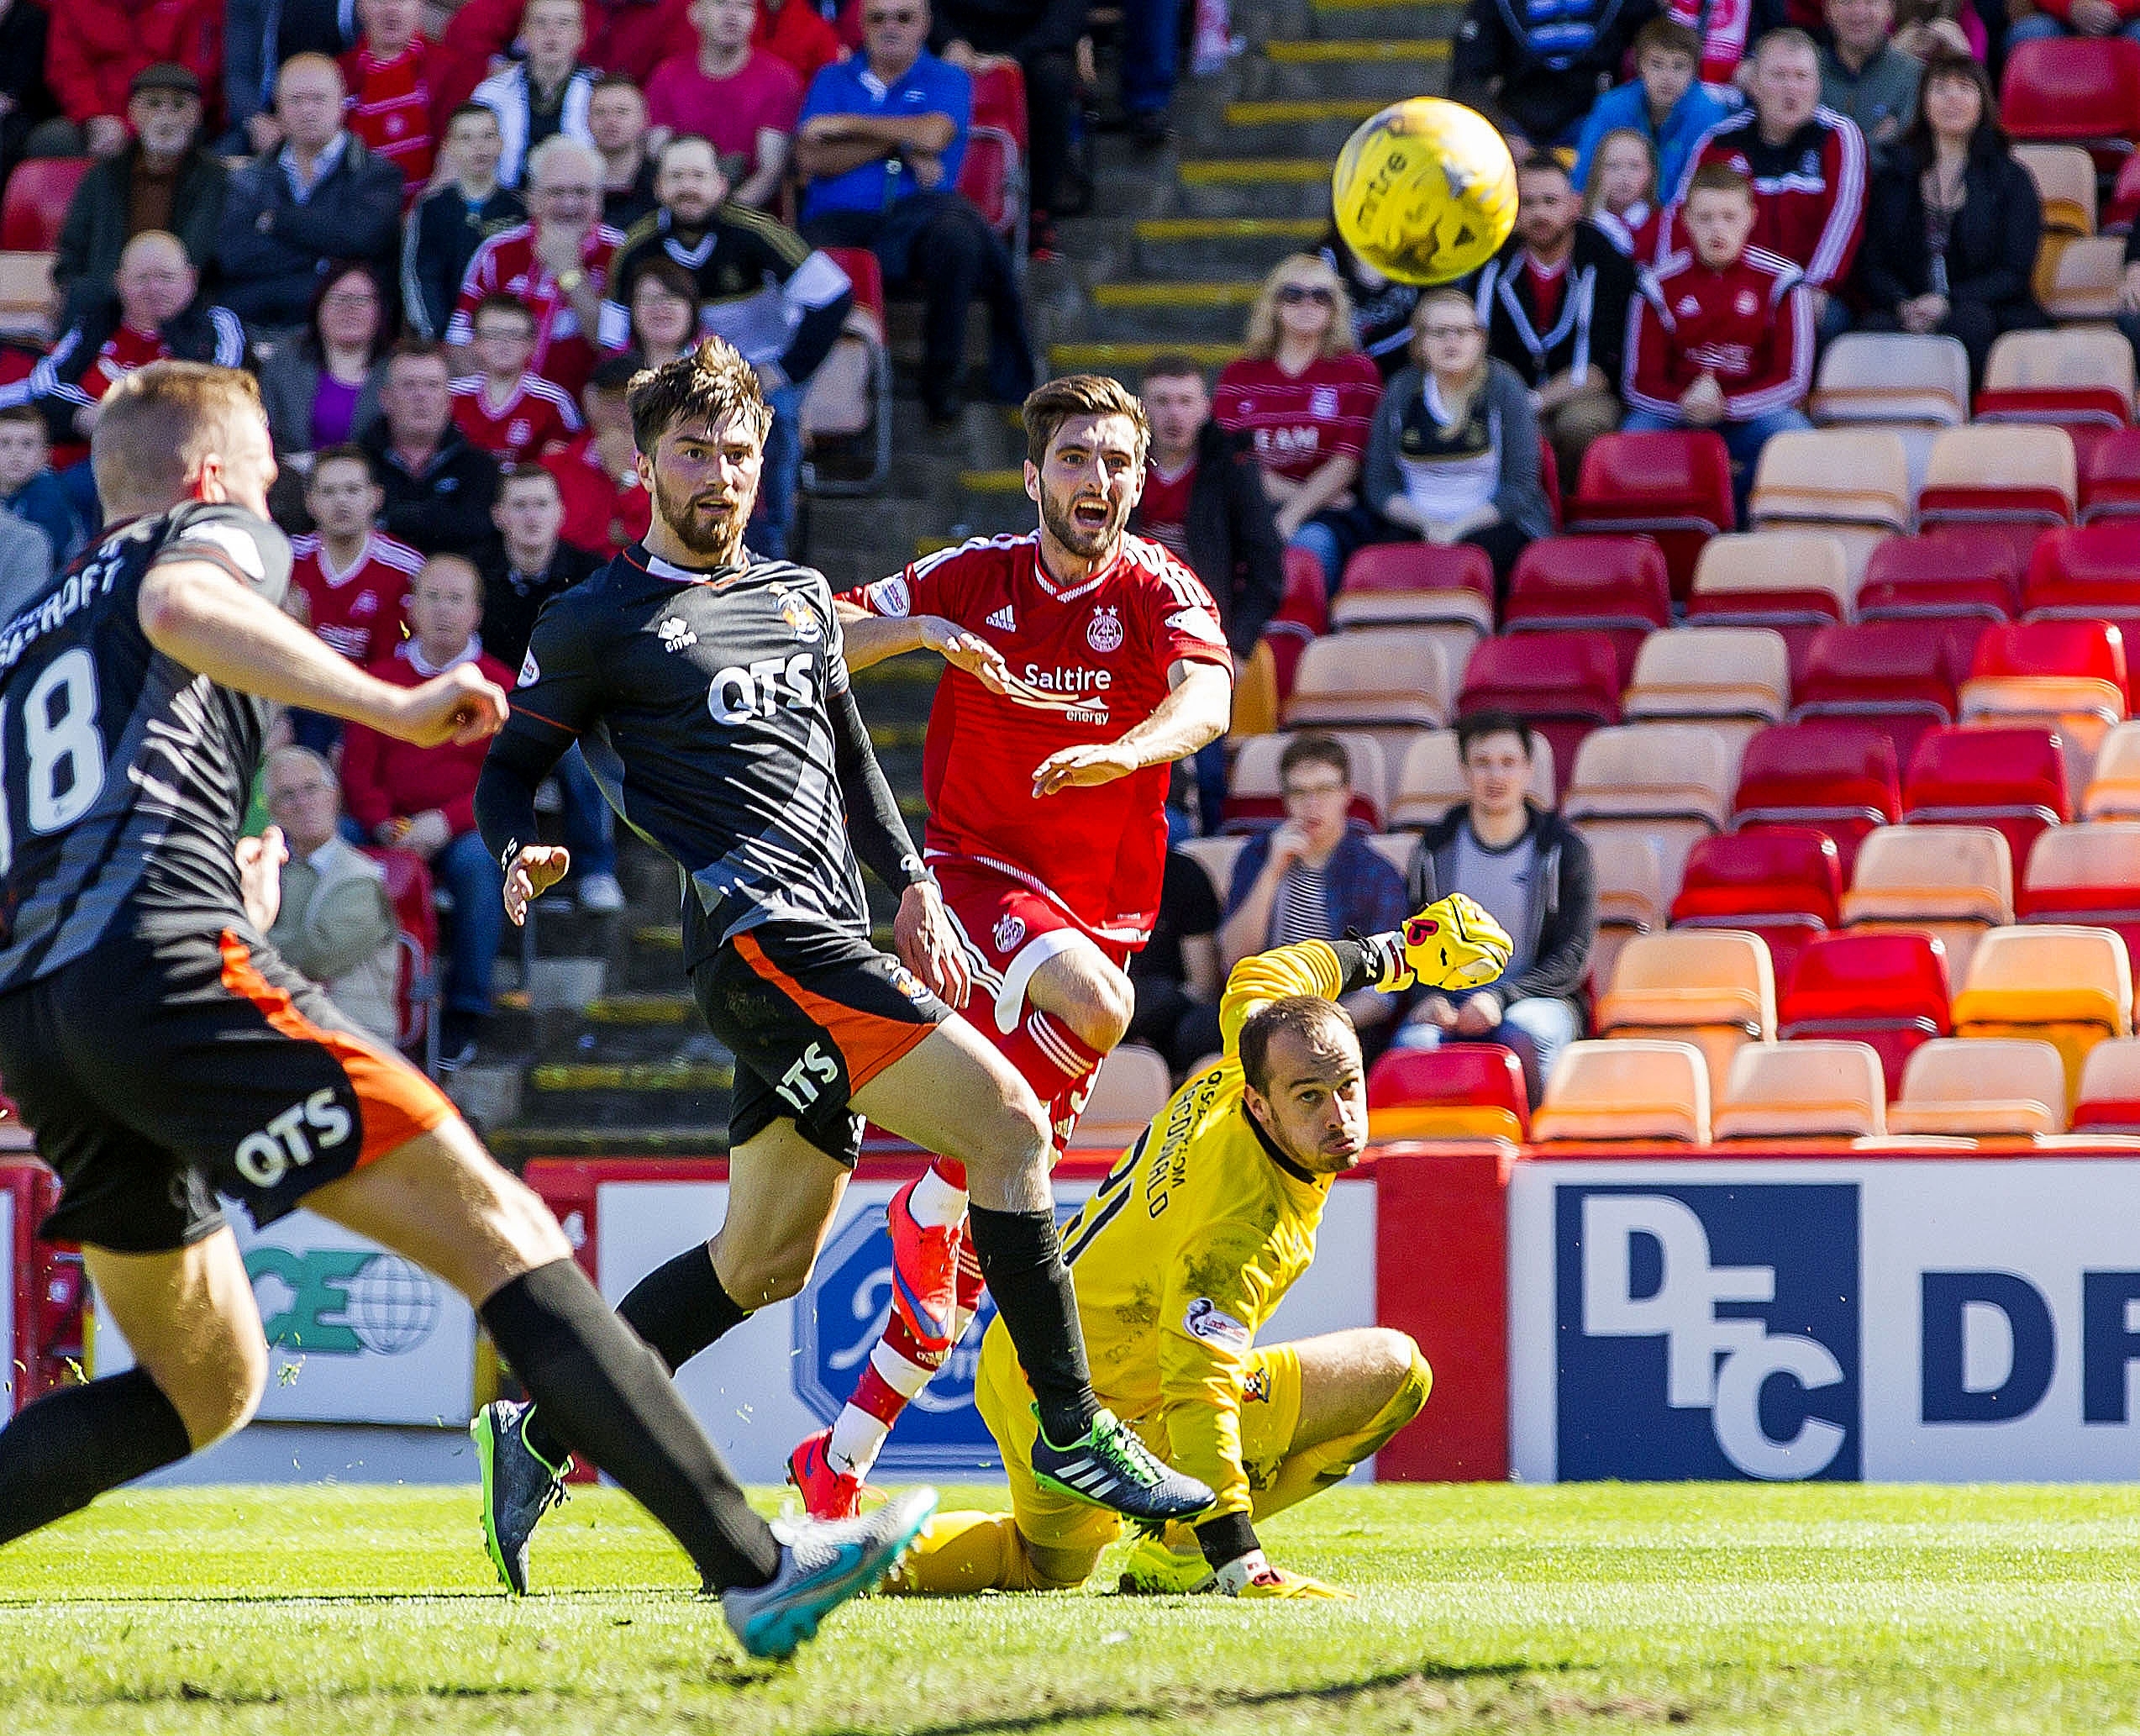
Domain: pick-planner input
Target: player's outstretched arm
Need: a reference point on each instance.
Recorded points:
(869, 638)
(197, 615)
(1196, 712)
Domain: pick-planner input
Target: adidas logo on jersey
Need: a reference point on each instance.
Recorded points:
(1002, 620)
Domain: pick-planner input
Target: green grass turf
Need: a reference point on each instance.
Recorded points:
(1709, 1608)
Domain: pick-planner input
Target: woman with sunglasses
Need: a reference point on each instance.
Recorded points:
(1305, 393)
(1453, 457)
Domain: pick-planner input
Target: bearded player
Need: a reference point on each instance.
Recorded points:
(1084, 661)
(1224, 1193)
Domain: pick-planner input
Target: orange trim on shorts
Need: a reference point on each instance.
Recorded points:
(868, 1042)
(395, 1101)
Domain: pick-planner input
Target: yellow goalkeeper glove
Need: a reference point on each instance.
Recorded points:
(1251, 1575)
(1453, 943)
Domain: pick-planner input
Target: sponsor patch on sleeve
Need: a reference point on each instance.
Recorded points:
(1207, 1321)
(530, 671)
(890, 597)
(1197, 624)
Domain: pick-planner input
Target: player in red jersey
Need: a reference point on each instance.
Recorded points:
(1084, 662)
(354, 581)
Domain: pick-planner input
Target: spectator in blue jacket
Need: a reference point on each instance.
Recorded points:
(1666, 103)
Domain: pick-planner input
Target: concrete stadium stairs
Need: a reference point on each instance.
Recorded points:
(1168, 258)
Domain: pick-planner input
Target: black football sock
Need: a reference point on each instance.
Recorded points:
(607, 1397)
(1021, 1258)
(679, 1309)
(64, 1450)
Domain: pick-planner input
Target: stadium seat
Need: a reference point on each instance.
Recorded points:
(1670, 783)
(1627, 1089)
(993, 174)
(1430, 779)
(2090, 573)
(1613, 585)
(1735, 678)
(2114, 792)
(2079, 279)
(2079, 376)
(2074, 90)
(1397, 849)
(2063, 984)
(2068, 675)
(1837, 776)
(846, 414)
(1628, 871)
(1793, 582)
(1418, 585)
(2086, 874)
(2019, 478)
(1887, 990)
(1943, 574)
(1675, 485)
(1132, 1087)
(1886, 378)
(1216, 856)
(1252, 802)
(2012, 1089)
(1900, 676)
(1833, 1090)
(2012, 779)
(2109, 1088)
(2110, 478)
(2065, 182)
(1785, 885)
(1713, 987)
(418, 991)
(1852, 483)
(1460, 1090)
(26, 298)
(1950, 882)
(1564, 683)
(1378, 678)
(40, 190)
(1305, 601)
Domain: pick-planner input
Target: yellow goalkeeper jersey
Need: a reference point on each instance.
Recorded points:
(1191, 1241)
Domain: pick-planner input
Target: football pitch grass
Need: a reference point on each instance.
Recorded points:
(1703, 1608)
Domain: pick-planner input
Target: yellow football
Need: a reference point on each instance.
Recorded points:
(1425, 191)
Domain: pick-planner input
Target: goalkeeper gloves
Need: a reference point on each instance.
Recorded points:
(1252, 1575)
(1453, 943)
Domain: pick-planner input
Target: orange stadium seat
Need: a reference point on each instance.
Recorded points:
(2008, 1089)
(26, 296)
(2080, 376)
(1836, 775)
(1852, 483)
(1670, 783)
(2063, 984)
(1900, 676)
(2074, 89)
(1950, 882)
(1460, 1090)
(1629, 870)
(1794, 583)
(1613, 585)
(1713, 987)
(2012, 779)
(1636, 1088)
(1943, 574)
(1675, 485)
(2079, 279)
(1132, 1087)
(1252, 802)
(1736, 680)
(40, 190)
(1887, 990)
(2022, 479)
(1785, 885)
(2109, 1089)
(1378, 678)
(1564, 685)
(1430, 780)
(1833, 1090)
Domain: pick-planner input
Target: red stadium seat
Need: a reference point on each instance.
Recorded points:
(2110, 476)
(2071, 649)
(2013, 780)
(1953, 572)
(1549, 479)
(1306, 603)
(2089, 875)
(1613, 585)
(2125, 200)
(2089, 573)
(1415, 585)
(2109, 1089)
(417, 994)
(1459, 1091)
(999, 102)
(1903, 674)
(2019, 479)
(988, 177)
(2074, 89)
(35, 204)
(1676, 485)
(1837, 776)
(1889, 989)
(1564, 683)
(1785, 884)
(848, 408)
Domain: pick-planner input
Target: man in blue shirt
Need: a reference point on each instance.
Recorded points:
(881, 140)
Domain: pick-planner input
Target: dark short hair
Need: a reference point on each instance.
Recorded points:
(1718, 178)
(1173, 365)
(415, 349)
(1668, 35)
(617, 82)
(28, 414)
(529, 471)
(1315, 749)
(347, 452)
(498, 302)
(1308, 1016)
(464, 111)
(1478, 725)
(673, 277)
(1054, 404)
(613, 374)
(713, 382)
(1544, 162)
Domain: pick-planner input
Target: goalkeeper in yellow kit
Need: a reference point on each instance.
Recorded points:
(1180, 1257)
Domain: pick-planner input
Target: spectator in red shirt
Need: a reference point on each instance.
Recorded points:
(1305, 393)
(1721, 336)
(423, 799)
(799, 34)
(94, 48)
(606, 508)
(741, 98)
(349, 580)
(503, 409)
(393, 79)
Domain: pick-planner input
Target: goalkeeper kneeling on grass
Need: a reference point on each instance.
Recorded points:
(1178, 1259)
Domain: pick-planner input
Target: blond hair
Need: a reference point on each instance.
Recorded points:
(1261, 342)
(1458, 395)
(1593, 193)
(157, 425)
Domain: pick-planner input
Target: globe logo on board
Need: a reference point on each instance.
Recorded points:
(393, 1306)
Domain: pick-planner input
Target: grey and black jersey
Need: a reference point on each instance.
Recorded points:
(703, 702)
(124, 778)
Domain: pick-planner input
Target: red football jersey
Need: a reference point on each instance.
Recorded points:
(537, 413)
(1103, 647)
(506, 263)
(602, 512)
(1299, 422)
(360, 612)
(389, 106)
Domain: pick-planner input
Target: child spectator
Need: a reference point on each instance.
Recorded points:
(1306, 395)
(504, 410)
(1621, 197)
(1721, 336)
(547, 93)
(742, 99)
(28, 488)
(348, 581)
(1665, 103)
(450, 222)
(392, 75)
(606, 508)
